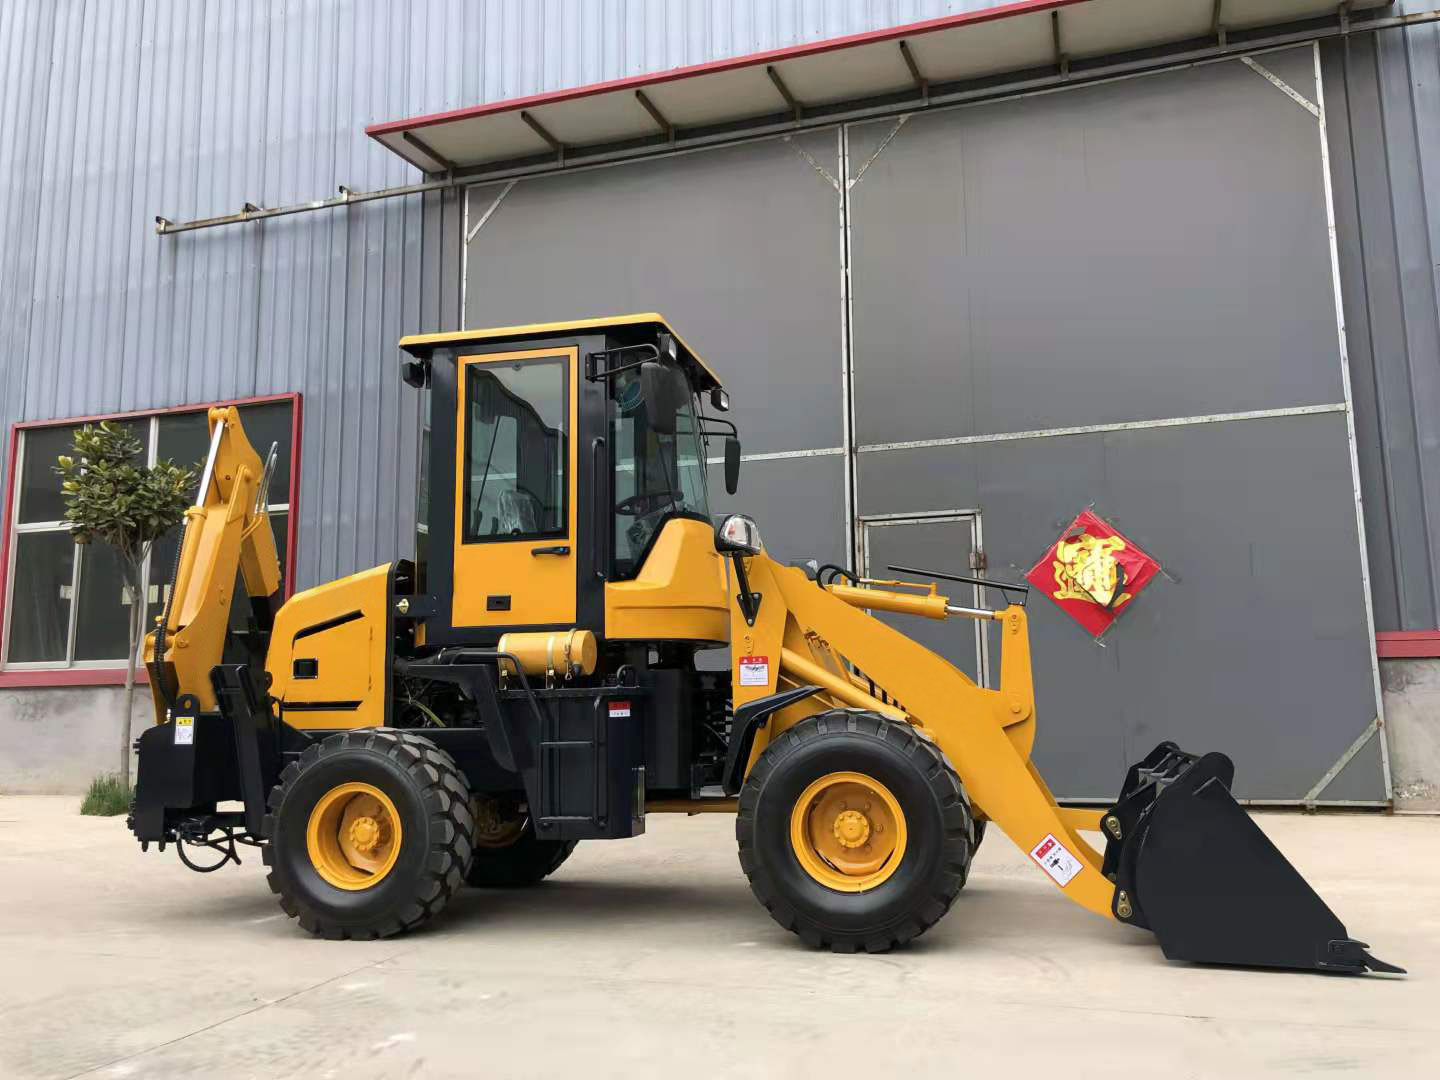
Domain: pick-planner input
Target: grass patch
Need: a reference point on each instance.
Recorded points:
(107, 797)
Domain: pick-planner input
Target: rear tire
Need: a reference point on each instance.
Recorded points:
(508, 854)
(860, 908)
(528, 861)
(422, 803)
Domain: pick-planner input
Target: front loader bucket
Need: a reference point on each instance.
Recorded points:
(1190, 864)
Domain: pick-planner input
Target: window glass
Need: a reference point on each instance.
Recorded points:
(40, 498)
(266, 424)
(184, 439)
(102, 627)
(40, 604)
(516, 450)
(658, 473)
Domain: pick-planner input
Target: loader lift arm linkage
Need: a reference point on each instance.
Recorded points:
(1181, 856)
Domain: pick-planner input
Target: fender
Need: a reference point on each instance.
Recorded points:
(748, 719)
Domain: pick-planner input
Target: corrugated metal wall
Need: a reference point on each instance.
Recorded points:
(1384, 92)
(112, 112)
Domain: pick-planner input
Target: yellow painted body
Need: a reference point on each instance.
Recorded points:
(541, 587)
(342, 627)
(806, 635)
(680, 594)
(225, 531)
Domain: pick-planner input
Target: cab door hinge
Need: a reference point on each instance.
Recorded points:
(978, 561)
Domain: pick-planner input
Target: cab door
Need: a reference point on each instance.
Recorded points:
(515, 497)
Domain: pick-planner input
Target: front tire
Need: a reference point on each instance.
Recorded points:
(854, 831)
(369, 834)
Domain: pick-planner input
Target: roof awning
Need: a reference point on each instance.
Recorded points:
(920, 64)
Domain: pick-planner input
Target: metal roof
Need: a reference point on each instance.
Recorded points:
(890, 66)
(425, 344)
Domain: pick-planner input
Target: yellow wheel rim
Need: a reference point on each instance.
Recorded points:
(492, 828)
(354, 836)
(848, 831)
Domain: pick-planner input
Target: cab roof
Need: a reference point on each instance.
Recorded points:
(422, 345)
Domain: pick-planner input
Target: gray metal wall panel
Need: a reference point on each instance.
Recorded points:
(1249, 646)
(1145, 249)
(798, 503)
(739, 248)
(1384, 96)
(116, 112)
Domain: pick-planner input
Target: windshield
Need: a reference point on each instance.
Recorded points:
(658, 474)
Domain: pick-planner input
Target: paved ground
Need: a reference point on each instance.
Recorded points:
(649, 957)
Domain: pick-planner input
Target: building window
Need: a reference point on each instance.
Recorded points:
(64, 604)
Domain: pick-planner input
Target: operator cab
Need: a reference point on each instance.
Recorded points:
(564, 484)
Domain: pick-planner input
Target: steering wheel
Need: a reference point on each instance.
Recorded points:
(645, 502)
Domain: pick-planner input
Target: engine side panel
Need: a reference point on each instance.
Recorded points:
(330, 653)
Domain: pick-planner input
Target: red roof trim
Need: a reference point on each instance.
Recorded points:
(637, 82)
(1398, 644)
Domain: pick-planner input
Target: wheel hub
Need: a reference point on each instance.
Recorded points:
(852, 828)
(848, 832)
(365, 834)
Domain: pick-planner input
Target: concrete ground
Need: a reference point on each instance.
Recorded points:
(649, 957)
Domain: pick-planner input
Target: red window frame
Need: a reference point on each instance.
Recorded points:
(60, 677)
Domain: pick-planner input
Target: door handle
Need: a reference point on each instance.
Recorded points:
(558, 549)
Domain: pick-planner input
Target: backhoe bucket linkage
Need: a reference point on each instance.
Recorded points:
(1189, 864)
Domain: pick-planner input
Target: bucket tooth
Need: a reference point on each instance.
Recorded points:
(1190, 865)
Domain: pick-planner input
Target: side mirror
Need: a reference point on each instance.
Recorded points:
(657, 392)
(737, 535)
(732, 464)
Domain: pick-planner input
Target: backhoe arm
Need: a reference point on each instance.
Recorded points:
(226, 531)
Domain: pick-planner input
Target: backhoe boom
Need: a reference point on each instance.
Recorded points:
(226, 531)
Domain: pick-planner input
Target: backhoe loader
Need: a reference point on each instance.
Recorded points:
(531, 681)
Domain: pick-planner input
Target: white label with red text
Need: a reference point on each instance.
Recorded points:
(754, 671)
(619, 708)
(1055, 860)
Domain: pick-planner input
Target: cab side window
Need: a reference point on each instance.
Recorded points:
(515, 485)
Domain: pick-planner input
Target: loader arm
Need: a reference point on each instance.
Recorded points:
(820, 636)
(227, 530)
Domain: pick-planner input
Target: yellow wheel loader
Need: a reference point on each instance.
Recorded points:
(532, 682)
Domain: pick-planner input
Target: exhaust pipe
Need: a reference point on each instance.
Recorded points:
(1190, 865)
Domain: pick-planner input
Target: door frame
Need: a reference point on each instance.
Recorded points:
(865, 522)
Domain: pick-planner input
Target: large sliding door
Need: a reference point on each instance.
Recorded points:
(1118, 295)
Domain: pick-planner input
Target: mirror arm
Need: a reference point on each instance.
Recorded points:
(595, 373)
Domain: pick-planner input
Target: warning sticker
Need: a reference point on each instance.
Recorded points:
(1055, 860)
(184, 731)
(754, 671)
(619, 708)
